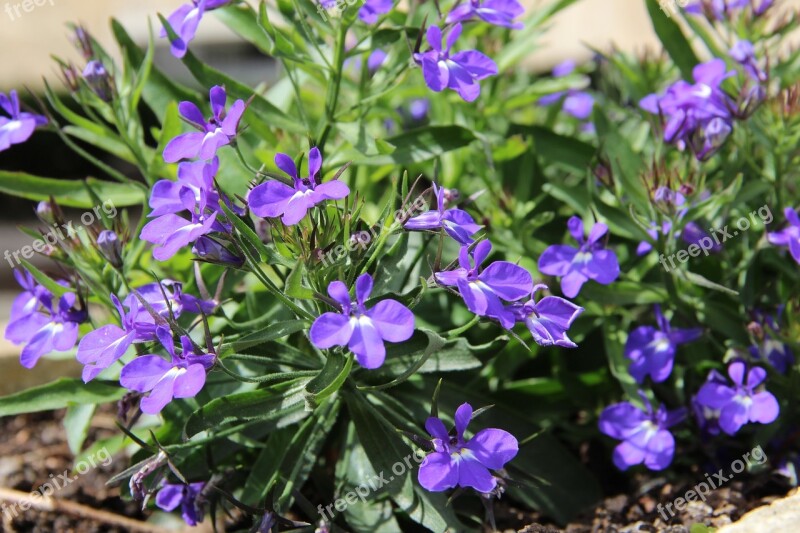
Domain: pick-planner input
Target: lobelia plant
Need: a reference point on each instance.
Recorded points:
(297, 285)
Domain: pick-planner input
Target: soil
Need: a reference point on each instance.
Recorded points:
(32, 447)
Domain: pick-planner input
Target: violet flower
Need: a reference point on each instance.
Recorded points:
(789, 236)
(100, 348)
(460, 72)
(372, 9)
(699, 114)
(497, 12)
(456, 222)
(18, 126)
(652, 350)
(188, 497)
(220, 130)
(183, 376)
(770, 349)
(739, 404)
(41, 322)
(577, 103)
(645, 435)
(548, 319)
(362, 330)
(171, 232)
(483, 289)
(276, 199)
(462, 462)
(196, 177)
(744, 53)
(185, 20)
(576, 266)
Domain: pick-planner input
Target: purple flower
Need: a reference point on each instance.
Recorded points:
(276, 199)
(100, 348)
(769, 349)
(457, 461)
(188, 497)
(652, 350)
(418, 109)
(645, 435)
(483, 289)
(40, 322)
(372, 9)
(215, 133)
(18, 126)
(739, 404)
(744, 53)
(577, 103)
(460, 72)
(185, 20)
(578, 265)
(171, 232)
(183, 376)
(497, 12)
(196, 177)
(789, 236)
(706, 417)
(456, 222)
(699, 114)
(548, 319)
(362, 330)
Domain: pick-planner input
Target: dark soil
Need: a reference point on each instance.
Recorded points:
(32, 447)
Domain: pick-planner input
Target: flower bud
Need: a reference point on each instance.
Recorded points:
(98, 79)
(110, 247)
(211, 251)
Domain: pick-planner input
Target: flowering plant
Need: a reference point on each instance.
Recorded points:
(301, 282)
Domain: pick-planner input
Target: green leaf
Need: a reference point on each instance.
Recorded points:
(294, 283)
(57, 289)
(159, 91)
(329, 380)
(701, 281)
(415, 146)
(435, 343)
(59, 394)
(453, 356)
(625, 293)
(268, 255)
(69, 193)
(259, 105)
(280, 405)
(673, 39)
(272, 332)
(76, 423)
(303, 451)
(568, 152)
